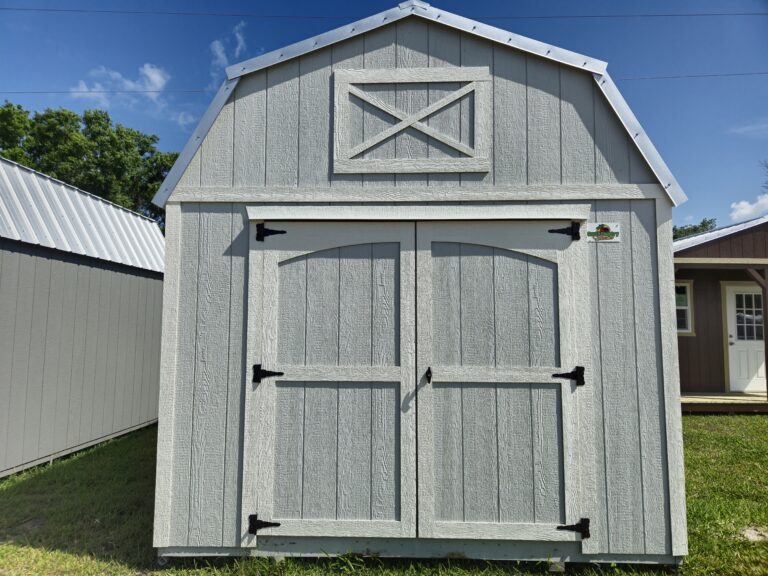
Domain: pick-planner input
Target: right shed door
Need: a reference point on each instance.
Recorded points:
(503, 446)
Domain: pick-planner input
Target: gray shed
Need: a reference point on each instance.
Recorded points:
(419, 302)
(80, 306)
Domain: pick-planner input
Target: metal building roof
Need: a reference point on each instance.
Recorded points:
(704, 237)
(423, 10)
(38, 209)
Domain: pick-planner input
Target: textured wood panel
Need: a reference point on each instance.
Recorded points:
(314, 118)
(282, 124)
(549, 123)
(250, 124)
(650, 381)
(444, 51)
(211, 373)
(623, 474)
(477, 307)
(320, 451)
(577, 109)
(544, 124)
(412, 52)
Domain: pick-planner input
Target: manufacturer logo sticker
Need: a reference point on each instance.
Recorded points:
(603, 232)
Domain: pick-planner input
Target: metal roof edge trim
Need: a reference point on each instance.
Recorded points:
(422, 10)
(704, 237)
(640, 138)
(194, 142)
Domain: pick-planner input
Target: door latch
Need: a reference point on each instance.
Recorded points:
(428, 375)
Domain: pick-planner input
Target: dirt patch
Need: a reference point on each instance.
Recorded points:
(755, 534)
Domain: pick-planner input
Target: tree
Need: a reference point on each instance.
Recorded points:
(88, 151)
(706, 225)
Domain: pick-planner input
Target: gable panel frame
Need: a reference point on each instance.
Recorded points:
(424, 10)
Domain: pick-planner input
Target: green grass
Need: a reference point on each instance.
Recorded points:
(92, 514)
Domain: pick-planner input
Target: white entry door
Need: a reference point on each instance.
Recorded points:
(329, 446)
(746, 347)
(504, 445)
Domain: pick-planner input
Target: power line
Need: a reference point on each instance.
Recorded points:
(262, 16)
(203, 90)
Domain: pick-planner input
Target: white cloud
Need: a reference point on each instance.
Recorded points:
(746, 210)
(689, 218)
(222, 49)
(184, 119)
(757, 129)
(95, 93)
(241, 46)
(111, 86)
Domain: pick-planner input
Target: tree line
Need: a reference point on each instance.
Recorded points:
(88, 151)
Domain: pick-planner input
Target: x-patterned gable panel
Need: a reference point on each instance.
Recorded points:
(453, 92)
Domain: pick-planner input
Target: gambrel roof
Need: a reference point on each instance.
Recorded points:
(417, 8)
(40, 210)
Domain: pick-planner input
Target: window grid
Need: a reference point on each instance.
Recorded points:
(749, 316)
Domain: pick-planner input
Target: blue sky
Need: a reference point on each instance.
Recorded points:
(712, 132)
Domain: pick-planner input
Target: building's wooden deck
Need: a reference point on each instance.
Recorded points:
(736, 403)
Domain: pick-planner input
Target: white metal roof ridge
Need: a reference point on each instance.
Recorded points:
(424, 10)
(37, 209)
(704, 237)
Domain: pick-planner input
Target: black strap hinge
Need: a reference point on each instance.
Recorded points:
(577, 374)
(259, 373)
(574, 231)
(262, 232)
(582, 527)
(254, 524)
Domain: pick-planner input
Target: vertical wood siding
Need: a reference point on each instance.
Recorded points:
(551, 124)
(52, 393)
(206, 425)
(633, 514)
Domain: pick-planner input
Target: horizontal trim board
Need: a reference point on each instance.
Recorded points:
(73, 449)
(419, 548)
(742, 261)
(363, 375)
(415, 75)
(412, 165)
(381, 194)
(562, 211)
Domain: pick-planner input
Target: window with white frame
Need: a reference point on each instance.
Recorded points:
(684, 305)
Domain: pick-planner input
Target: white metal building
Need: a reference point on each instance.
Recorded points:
(80, 307)
(418, 302)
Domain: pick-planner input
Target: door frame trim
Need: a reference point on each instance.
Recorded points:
(422, 212)
(724, 285)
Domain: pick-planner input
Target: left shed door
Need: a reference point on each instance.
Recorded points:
(329, 444)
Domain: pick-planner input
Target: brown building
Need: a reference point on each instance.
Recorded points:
(720, 288)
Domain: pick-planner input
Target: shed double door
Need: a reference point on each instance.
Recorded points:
(380, 329)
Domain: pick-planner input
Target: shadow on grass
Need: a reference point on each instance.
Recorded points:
(98, 502)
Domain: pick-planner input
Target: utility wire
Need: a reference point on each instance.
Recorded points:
(202, 90)
(262, 16)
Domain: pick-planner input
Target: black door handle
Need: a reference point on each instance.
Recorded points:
(429, 375)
